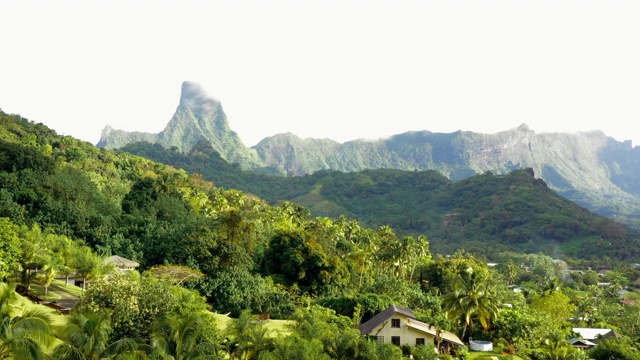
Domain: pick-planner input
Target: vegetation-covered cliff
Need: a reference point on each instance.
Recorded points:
(588, 168)
(516, 211)
(197, 117)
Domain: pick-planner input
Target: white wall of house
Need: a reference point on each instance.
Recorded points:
(407, 335)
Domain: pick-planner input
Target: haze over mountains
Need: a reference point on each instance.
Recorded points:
(589, 168)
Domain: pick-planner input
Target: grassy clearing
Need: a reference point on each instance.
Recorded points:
(57, 288)
(276, 328)
(487, 354)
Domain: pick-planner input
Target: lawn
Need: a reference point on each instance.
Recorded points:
(487, 354)
(57, 291)
(276, 327)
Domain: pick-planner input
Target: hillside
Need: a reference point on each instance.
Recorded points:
(588, 168)
(65, 204)
(517, 211)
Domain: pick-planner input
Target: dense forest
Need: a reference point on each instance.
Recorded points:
(514, 212)
(206, 249)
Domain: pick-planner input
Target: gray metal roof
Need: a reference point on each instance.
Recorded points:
(414, 323)
(383, 316)
(119, 261)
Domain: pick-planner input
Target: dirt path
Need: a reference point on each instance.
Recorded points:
(67, 298)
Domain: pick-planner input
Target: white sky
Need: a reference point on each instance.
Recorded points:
(338, 69)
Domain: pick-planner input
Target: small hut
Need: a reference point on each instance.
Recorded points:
(121, 264)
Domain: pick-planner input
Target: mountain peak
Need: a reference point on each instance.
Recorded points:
(193, 93)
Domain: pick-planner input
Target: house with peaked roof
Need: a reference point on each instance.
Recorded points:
(594, 335)
(398, 325)
(121, 264)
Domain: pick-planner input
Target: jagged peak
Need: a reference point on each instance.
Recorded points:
(192, 92)
(106, 132)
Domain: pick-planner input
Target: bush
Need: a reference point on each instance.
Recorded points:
(422, 352)
(614, 348)
(371, 304)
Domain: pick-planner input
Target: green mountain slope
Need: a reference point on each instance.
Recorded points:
(516, 211)
(588, 168)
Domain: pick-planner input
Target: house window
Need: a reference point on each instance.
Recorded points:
(395, 323)
(419, 341)
(395, 340)
(379, 340)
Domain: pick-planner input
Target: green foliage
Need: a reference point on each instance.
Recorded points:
(294, 348)
(135, 304)
(554, 308)
(423, 352)
(249, 337)
(85, 336)
(9, 248)
(473, 297)
(234, 291)
(614, 348)
(556, 347)
(70, 201)
(519, 210)
(185, 337)
(518, 327)
(24, 334)
(302, 261)
(370, 305)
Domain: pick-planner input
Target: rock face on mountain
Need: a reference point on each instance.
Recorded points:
(589, 168)
(198, 117)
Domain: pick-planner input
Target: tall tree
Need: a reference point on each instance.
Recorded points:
(473, 298)
(89, 265)
(9, 248)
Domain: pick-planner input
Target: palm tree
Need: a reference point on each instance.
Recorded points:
(472, 297)
(22, 335)
(89, 265)
(421, 253)
(556, 347)
(86, 337)
(250, 336)
(46, 275)
(345, 345)
(183, 338)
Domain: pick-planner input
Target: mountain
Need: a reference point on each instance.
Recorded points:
(514, 212)
(125, 204)
(197, 117)
(589, 168)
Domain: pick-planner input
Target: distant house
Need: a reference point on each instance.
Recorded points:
(122, 264)
(602, 271)
(581, 343)
(398, 325)
(594, 335)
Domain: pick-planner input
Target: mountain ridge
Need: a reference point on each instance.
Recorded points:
(590, 168)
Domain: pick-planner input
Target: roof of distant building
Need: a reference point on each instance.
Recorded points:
(121, 262)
